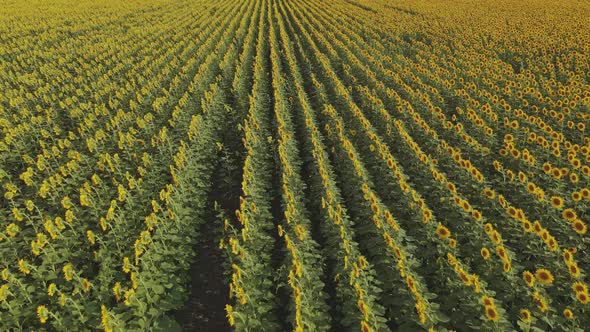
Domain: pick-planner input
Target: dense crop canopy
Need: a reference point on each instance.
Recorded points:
(294, 165)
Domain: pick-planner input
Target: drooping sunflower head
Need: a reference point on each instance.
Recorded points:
(43, 314)
(51, 289)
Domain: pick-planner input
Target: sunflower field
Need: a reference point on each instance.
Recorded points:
(294, 165)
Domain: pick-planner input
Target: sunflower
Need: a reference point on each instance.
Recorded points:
(487, 301)
(574, 178)
(390, 163)
(557, 202)
(452, 260)
(411, 283)
(512, 212)
(451, 186)
(579, 226)
(501, 252)
(91, 238)
(492, 313)
(489, 193)
(516, 155)
(567, 256)
(229, 314)
(43, 314)
(375, 209)
(443, 232)
(497, 165)
(580, 287)
(531, 187)
(479, 178)
(464, 278)
(496, 238)
(569, 215)
(86, 285)
(485, 253)
(573, 269)
(583, 297)
(476, 215)
(525, 315)
(426, 215)
(466, 206)
(51, 289)
(544, 276)
(528, 227)
(540, 302)
(488, 228)
(104, 318)
(502, 201)
(529, 278)
(537, 227)
(546, 167)
(509, 173)
(567, 313)
(552, 243)
(520, 214)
